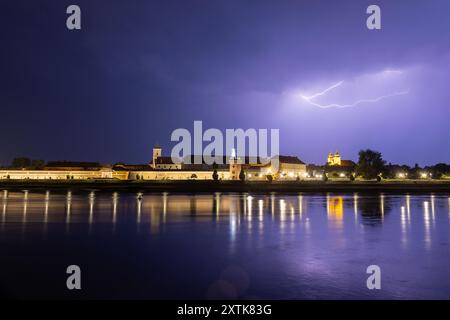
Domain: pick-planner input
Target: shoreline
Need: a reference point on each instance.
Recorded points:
(209, 186)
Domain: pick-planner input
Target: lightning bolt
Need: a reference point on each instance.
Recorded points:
(354, 104)
(323, 92)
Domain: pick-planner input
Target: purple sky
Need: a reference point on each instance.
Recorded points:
(139, 69)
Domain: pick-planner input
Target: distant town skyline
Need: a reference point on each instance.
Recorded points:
(138, 70)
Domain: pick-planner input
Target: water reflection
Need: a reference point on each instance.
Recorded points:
(427, 223)
(115, 199)
(164, 206)
(252, 211)
(250, 207)
(47, 204)
(408, 207)
(432, 208)
(282, 216)
(300, 205)
(5, 197)
(335, 209)
(355, 206)
(156, 211)
(91, 209)
(284, 238)
(216, 207)
(139, 199)
(272, 204)
(403, 225)
(372, 209)
(405, 220)
(68, 206)
(4, 212)
(68, 210)
(25, 207)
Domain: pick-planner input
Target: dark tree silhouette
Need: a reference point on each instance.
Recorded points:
(37, 163)
(242, 175)
(439, 169)
(21, 162)
(370, 164)
(215, 175)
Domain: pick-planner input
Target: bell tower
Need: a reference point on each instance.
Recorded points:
(156, 154)
(235, 166)
(330, 159)
(337, 159)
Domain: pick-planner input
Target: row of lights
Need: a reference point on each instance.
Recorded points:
(290, 174)
(400, 175)
(423, 175)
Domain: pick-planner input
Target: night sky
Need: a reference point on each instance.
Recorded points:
(140, 69)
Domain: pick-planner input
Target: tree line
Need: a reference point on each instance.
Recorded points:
(25, 162)
(371, 165)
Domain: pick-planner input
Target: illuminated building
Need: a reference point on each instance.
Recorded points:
(334, 159)
(162, 168)
(336, 167)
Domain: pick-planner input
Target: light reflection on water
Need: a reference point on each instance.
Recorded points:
(290, 245)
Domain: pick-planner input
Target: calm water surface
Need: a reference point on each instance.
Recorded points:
(269, 246)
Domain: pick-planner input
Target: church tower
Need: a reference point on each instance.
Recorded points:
(334, 159)
(156, 154)
(330, 159)
(235, 166)
(337, 159)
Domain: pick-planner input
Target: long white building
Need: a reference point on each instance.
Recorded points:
(161, 168)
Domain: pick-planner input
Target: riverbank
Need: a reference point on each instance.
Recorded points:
(412, 186)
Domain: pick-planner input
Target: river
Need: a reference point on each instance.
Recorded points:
(224, 245)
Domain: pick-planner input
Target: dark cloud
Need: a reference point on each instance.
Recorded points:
(139, 69)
